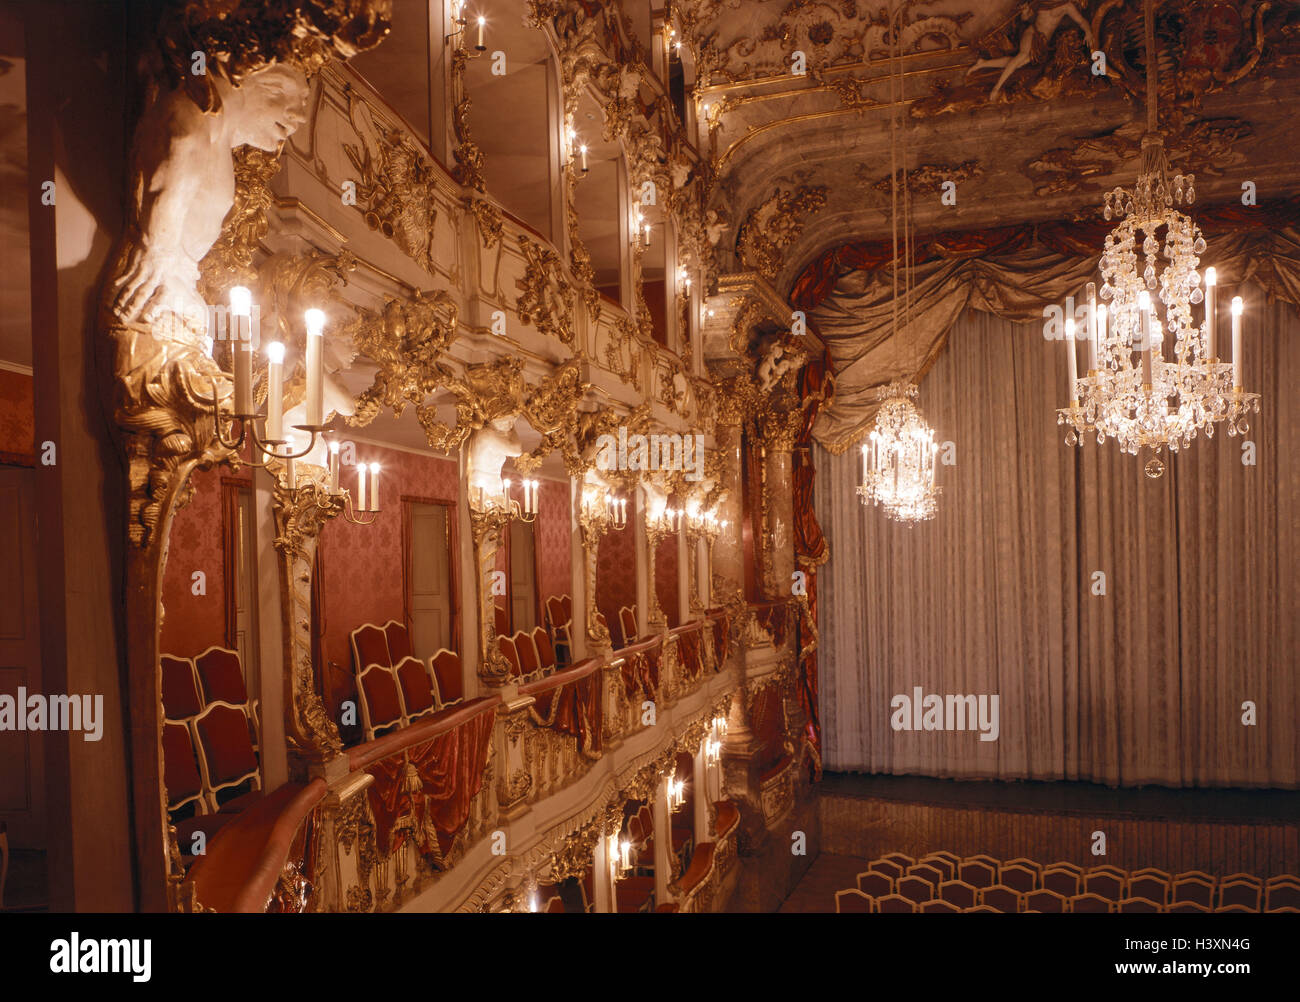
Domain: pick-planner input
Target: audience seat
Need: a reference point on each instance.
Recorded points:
(398, 639)
(938, 905)
(222, 676)
(446, 670)
(1194, 886)
(852, 900)
(1044, 900)
(895, 904)
(1282, 892)
(1144, 905)
(979, 871)
(1106, 881)
(369, 647)
(876, 884)
(508, 650)
(419, 694)
(1001, 898)
(1063, 878)
(527, 653)
(381, 701)
(1151, 884)
(1240, 889)
(627, 623)
(1090, 903)
(1019, 877)
(926, 872)
(545, 649)
(959, 893)
(226, 756)
(180, 688)
(915, 888)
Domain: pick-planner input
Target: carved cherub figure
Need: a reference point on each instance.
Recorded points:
(489, 448)
(1039, 25)
(776, 362)
(183, 184)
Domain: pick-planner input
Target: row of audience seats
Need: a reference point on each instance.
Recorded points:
(530, 652)
(943, 882)
(211, 766)
(395, 687)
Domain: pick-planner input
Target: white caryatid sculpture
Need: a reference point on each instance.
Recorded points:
(489, 448)
(183, 185)
(656, 503)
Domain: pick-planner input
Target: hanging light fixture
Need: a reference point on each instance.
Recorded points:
(1135, 391)
(898, 457)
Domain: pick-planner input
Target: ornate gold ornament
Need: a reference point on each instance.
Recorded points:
(775, 224)
(546, 299)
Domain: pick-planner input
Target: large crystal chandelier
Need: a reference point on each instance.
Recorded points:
(1137, 390)
(898, 457)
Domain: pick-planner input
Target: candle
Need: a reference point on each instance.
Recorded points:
(374, 487)
(481, 22)
(274, 392)
(1073, 361)
(1211, 284)
(334, 467)
(315, 320)
(1144, 330)
(1099, 332)
(626, 848)
(1092, 326)
(583, 151)
(241, 311)
(290, 473)
(1236, 342)
(647, 234)
(361, 487)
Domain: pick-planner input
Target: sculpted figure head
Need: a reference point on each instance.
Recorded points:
(489, 448)
(266, 108)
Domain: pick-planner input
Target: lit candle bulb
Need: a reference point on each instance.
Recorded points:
(1073, 361)
(361, 487)
(481, 22)
(626, 848)
(1144, 345)
(1236, 342)
(1092, 326)
(275, 392)
(1211, 287)
(334, 467)
(583, 150)
(315, 361)
(647, 234)
(290, 472)
(1099, 332)
(374, 487)
(241, 312)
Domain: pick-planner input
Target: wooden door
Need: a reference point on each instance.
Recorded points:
(523, 577)
(430, 578)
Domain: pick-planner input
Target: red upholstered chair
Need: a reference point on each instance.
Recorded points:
(1029, 864)
(886, 866)
(1194, 886)
(1063, 878)
(222, 676)
(398, 639)
(180, 688)
(528, 660)
(1151, 884)
(1240, 889)
(369, 647)
(1139, 905)
(942, 862)
(926, 872)
(1044, 901)
(1179, 907)
(939, 905)
(852, 900)
(508, 650)
(545, 650)
(1001, 898)
(981, 871)
(446, 669)
(895, 904)
(1018, 877)
(959, 893)
(875, 884)
(902, 859)
(502, 619)
(915, 888)
(1282, 892)
(419, 698)
(180, 769)
(1106, 881)
(627, 623)
(381, 701)
(635, 894)
(1091, 903)
(226, 756)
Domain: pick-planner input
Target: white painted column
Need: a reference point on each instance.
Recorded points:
(703, 833)
(603, 876)
(468, 597)
(663, 842)
(683, 577)
(577, 574)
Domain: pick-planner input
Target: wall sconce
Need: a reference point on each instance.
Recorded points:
(244, 411)
(676, 793)
(482, 22)
(618, 512)
(720, 726)
(527, 512)
(367, 502)
(712, 751)
(624, 858)
(684, 277)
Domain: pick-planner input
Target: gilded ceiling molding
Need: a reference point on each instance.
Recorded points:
(926, 177)
(396, 189)
(775, 224)
(547, 300)
(230, 260)
(406, 339)
(468, 171)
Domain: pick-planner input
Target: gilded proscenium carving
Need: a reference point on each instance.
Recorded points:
(546, 299)
(487, 527)
(593, 522)
(300, 513)
(406, 340)
(775, 224)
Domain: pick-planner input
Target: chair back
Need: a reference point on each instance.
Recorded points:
(417, 690)
(369, 647)
(398, 639)
(446, 669)
(180, 688)
(180, 768)
(381, 700)
(852, 900)
(225, 750)
(627, 623)
(527, 651)
(545, 649)
(506, 646)
(222, 676)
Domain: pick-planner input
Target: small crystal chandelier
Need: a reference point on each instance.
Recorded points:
(1153, 401)
(898, 458)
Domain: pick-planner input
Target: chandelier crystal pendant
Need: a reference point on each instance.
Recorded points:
(898, 459)
(1154, 377)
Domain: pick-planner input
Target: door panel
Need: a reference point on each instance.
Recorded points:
(523, 589)
(430, 583)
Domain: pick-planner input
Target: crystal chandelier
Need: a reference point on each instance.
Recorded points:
(1136, 390)
(898, 457)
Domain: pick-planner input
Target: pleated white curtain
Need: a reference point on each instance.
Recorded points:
(994, 596)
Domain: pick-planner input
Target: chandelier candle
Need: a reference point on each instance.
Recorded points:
(1211, 282)
(1236, 344)
(374, 487)
(1092, 335)
(275, 392)
(290, 473)
(1144, 310)
(361, 488)
(241, 312)
(1074, 362)
(315, 320)
(334, 467)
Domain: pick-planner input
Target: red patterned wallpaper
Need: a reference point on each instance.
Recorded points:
(552, 539)
(193, 623)
(17, 417)
(362, 564)
(616, 577)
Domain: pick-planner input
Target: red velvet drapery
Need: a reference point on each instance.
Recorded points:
(573, 706)
(424, 792)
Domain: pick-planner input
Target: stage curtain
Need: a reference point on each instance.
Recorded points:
(1142, 685)
(1011, 273)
